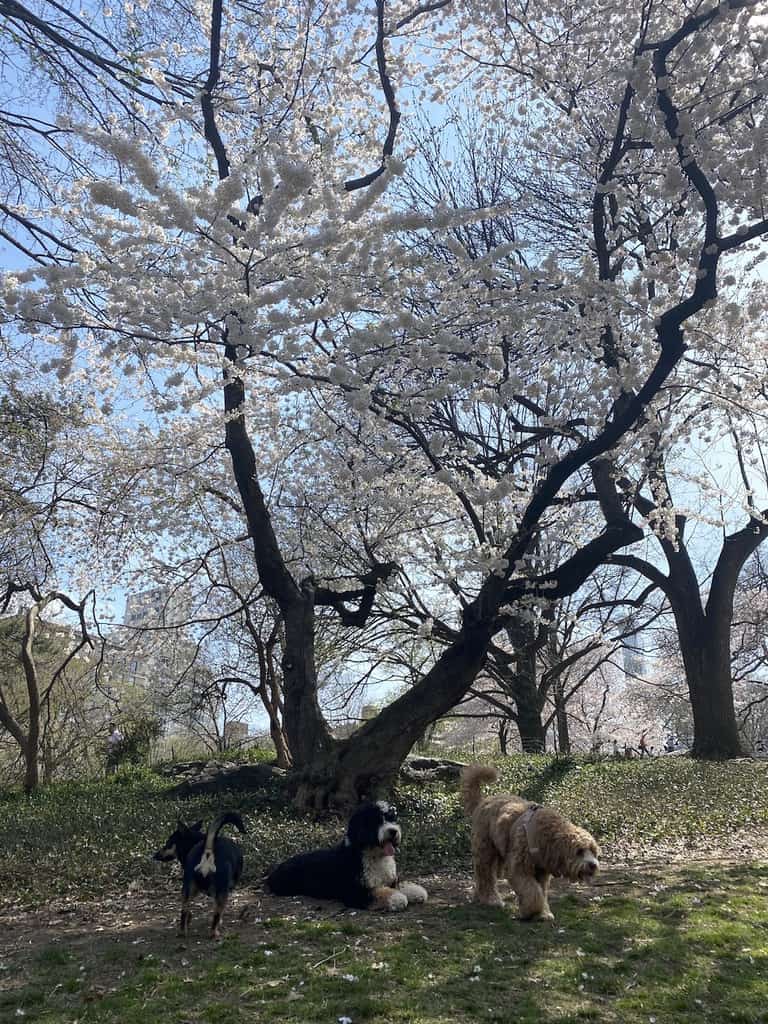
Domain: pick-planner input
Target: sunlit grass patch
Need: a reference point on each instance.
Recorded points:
(680, 946)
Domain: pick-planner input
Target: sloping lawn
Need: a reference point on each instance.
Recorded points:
(675, 931)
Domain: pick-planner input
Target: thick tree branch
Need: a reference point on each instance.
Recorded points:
(366, 595)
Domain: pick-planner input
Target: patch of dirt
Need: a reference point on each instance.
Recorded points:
(140, 920)
(741, 845)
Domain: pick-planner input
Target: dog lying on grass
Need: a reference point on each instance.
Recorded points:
(211, 865)
(526, 843)
(360, 872)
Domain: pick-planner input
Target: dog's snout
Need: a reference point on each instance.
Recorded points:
(392, 835)
(589, 869)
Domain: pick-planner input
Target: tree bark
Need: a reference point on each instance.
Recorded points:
(364, 765)
(561, 721)
(533, 737)
(503, 734)
(306, 730)
(705, 645)
(527, 639)
(715, 728)
(270, 691)
(32, 740)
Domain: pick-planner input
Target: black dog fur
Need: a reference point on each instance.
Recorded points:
(211, 865)
(360, 871)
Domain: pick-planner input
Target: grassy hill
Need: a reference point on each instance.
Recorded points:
(96, 837)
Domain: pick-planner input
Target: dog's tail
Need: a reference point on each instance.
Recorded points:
(207, 863)
(472, 779)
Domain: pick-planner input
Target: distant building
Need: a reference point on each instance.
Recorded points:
(160, 649)
(235, 733)
(634, 663)
(161, 606)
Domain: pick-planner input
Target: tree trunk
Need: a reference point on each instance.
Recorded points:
(270, 692)
(533, 734)
(364, 766)
(707, 660)
(504, 737)
(704, 631)
(306, 730)
(705, 644)
(561, 722)
(31, 747)
(283, 754)
(523, 687)
(31, 768)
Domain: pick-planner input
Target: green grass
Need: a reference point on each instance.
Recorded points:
(686, 947)
(86, 918)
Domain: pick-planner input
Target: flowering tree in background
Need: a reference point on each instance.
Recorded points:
(240, 270)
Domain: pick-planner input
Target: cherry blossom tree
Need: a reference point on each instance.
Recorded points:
(244, 262)
(707, 507)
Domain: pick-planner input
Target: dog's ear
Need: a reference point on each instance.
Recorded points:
(361, 830)
(356, 831)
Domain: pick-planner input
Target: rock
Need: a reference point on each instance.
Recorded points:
(431, 769)
(198, 777)
(213, 777)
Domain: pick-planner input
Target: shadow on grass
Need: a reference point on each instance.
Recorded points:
(684, 946)
(551, 774)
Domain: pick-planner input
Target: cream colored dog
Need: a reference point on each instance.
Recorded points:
(524, 842)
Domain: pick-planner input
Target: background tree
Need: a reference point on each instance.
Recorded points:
(703, 610)
(22, 717)
(750, 652)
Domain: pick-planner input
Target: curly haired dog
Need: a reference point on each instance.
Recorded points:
(524, 842)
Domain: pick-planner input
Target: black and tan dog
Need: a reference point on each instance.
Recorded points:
(360, 871)
(211, 865)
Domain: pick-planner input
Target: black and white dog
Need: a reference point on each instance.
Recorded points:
(211, 865)
(360, 872)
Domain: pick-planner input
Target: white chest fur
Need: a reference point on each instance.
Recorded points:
(378, 870)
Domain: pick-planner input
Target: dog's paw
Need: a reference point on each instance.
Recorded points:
(545, 915)
(413, 892)
(396, 901)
